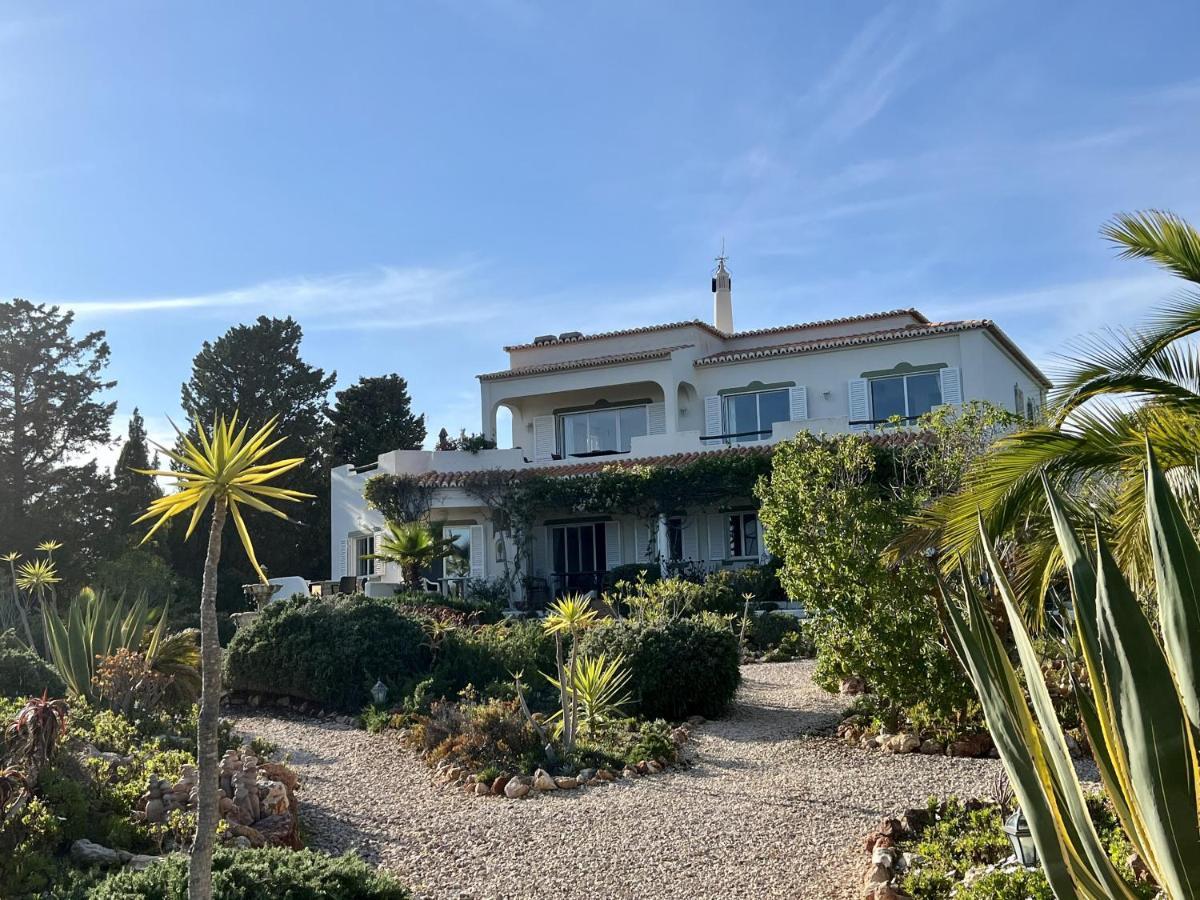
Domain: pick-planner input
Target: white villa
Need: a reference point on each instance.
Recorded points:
(660, 395)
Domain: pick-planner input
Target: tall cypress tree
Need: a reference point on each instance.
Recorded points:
(132, 493)
(371, 417)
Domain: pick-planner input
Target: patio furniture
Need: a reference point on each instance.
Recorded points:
(348, 584)
(536, 591)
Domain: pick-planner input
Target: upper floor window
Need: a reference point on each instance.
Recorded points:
(906, 396)
(601, 430)
(751, 415)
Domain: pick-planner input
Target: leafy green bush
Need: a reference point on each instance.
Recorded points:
(830, 508)
(682, 668)
(259, 875)
(632, 572)
(767, 630)
(23, 673)
(330, 651)
(724, 591)
(486, 657)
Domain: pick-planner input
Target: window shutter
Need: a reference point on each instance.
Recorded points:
(712, 418)
(798, 397)
(478, 553)
(951, 385)
(718, 536)
(543, 438)
(612, 545)
(376, 564)
(860, 404)
(339, 564)
(691, 538)
(656, 418)
(642, 537)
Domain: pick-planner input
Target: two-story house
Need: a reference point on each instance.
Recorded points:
(657, 395)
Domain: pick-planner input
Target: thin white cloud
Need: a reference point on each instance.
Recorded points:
(386, 297)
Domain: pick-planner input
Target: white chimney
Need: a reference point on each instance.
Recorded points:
(722, 287)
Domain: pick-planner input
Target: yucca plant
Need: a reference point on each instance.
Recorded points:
(596, 683)
(225, 468)
(568, 617)
(1140, 714)
(11, 558)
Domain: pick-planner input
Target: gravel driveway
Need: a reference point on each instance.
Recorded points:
(774, 807)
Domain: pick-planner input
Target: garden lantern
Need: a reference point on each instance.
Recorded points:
(1021, 838)
(379, 692)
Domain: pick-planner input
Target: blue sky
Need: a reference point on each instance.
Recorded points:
(422, 183)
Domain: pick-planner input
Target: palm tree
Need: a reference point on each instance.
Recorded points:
(1116, 391)
(227, 470)
(413, 547)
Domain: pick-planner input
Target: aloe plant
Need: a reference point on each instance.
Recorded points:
(1140, 715)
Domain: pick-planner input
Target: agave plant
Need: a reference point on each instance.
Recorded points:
(95, 627)
(1115, 389)
(596, 683)
(568, 617)
(1140, 715)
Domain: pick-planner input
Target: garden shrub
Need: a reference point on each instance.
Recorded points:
(682, 668)
(767, 630)
(492, 734)
(830, 508)
(329, 651)
(265, 874)
(631, 573)
(488, 656)
(724, 591)
(23, 673)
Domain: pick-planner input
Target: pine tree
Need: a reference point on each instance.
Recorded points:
(257, 371)
(51, 415)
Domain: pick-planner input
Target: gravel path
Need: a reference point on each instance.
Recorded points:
(774, 807)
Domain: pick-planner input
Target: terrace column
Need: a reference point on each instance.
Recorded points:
(662, 544)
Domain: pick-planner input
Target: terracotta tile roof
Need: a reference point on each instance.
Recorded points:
(698, 323)
(674, 460)
(876, 337)
(587, 363)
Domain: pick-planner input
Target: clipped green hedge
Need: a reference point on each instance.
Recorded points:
(679, 669)
(25, 674)
(487, 657)
(329, 651)
(268, 874)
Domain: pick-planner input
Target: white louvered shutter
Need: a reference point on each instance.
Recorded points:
(691, 538)
(612, 545)
(860, 403)
(376, 564)
(643, 550)
(340, 563)
(712, 418)
(478, 553)
(798, 403)
(656, 418)
(951, 385)
(543, 437)
(718, 536)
